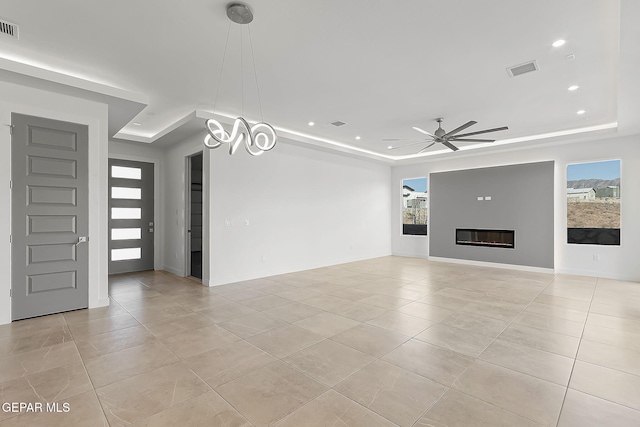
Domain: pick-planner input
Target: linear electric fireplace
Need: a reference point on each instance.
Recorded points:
(491, 238)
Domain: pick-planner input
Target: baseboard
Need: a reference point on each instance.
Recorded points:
(494, 265)
(600, 274)
(174, 271)
(5, 318)
(409, 255)
(268, 272)
(101, 302)
(239, 278)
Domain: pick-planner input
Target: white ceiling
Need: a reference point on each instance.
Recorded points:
(381, 66)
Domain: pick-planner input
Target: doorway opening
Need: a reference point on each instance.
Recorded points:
(194, 216)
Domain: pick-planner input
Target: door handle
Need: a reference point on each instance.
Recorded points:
(81, 239)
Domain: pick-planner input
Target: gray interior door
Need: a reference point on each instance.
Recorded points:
(131, 226)
(49, 268)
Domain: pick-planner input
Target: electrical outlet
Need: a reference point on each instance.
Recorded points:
(227, 223)
(596, 257)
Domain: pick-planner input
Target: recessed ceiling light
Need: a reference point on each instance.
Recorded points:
(390, 147)
(311, 123)
(573, 87)
(558, 43)
(580, 112)
(137, 124)
(357, 137)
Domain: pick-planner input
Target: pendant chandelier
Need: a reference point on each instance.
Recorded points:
(257, 138)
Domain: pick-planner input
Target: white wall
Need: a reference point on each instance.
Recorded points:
(614, 261)
(24, 100)
(175, 200)
(305, 208)
(142, 152)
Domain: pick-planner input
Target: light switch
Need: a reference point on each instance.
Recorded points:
(487, 197)
(480, 198)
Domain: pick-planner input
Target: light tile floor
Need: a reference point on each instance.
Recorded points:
(383, 342)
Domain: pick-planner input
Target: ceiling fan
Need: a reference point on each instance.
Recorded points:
(446, 138)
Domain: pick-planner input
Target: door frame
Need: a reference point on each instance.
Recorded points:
(158, 238)
(187, 214)
(49, 105)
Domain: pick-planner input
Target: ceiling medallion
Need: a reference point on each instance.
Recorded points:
(257, 138)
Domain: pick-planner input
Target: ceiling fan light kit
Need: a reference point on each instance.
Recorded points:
(441, 136)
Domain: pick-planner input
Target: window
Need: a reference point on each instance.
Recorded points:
(125, 254)
(414, 206)
(593, 203)
(126, 233)
(126, 172)
(126, 193)
(126, 213)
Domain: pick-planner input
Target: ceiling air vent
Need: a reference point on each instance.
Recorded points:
(8, 29)
(338, 123)
(525, 68)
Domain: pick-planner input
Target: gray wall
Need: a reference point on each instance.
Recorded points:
(521, 200)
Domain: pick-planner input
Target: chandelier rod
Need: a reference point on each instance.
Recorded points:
(255, 75)
(242, 73)
(224, 57)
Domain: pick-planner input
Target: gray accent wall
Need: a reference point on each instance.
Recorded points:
(521, 200)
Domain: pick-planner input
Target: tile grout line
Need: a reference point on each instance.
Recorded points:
(575, 359)
(84, 366)
(478, 358)
(392, 277)
(331, 387)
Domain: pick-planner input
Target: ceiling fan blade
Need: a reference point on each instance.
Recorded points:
(407, 145)
(449, 145)
(428, 146)
(423, 131)
(483, 131)
(403, 139)
(471, 140)
(458, 129)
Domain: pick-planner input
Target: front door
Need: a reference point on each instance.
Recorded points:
(131, 226)
(49, 253)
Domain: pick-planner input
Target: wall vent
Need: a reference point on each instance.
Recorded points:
(8, 29)
(518, 70)
(338, 123)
